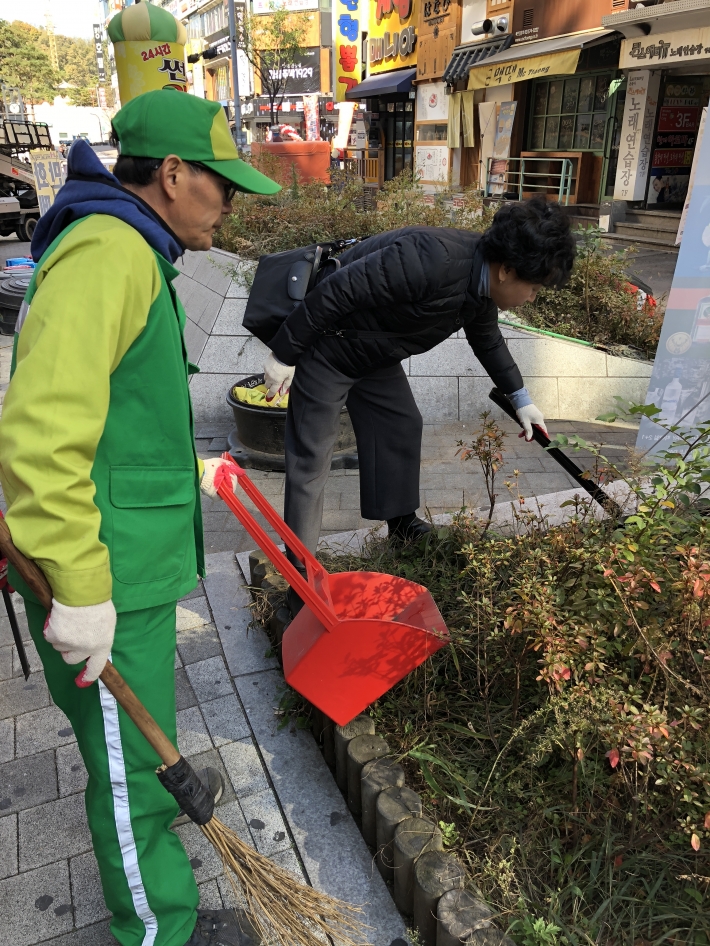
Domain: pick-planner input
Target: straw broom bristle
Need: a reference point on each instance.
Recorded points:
(283, 909)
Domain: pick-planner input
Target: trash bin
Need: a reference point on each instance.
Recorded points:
(257, 441)
(12, 292)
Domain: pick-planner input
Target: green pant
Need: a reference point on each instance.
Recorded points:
(147, 880)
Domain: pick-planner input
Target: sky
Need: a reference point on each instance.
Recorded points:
(71, 17)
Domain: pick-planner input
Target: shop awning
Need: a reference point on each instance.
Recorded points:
(544, 57)
(386, 83)
(464, 57)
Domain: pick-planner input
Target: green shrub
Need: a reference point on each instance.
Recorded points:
(596, 305)
(302, 214)
(564, 731)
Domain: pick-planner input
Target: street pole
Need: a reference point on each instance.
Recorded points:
(238, 134)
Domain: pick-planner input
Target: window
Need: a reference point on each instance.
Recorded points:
(569, 113)
(428, 132)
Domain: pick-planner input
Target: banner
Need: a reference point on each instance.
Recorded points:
(680, 382)
(501, 148)
(637, 135)
(693, 172)
(348, 46)
(49, 176)
(663, 50)
(520, 70)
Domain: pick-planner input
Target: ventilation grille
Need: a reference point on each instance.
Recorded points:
(618, 4)
(528, 18)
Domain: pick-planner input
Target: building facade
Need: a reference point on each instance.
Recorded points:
(665, 62)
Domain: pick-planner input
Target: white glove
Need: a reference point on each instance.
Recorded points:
(83, 633)
(277, 376)
(207, 482)
(528, 416)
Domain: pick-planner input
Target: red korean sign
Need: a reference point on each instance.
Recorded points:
(678, 119)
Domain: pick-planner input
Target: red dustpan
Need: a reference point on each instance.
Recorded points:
(359, 632)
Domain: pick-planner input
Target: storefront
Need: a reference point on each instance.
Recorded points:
(667, 74)
(388, 90)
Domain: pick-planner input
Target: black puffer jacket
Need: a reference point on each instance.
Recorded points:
(418, 285)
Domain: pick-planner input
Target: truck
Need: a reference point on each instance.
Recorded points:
(19, 209)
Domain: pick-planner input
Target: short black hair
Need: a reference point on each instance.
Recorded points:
(142, 171)
(534, 238)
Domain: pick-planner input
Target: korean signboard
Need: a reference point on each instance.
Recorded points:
(522, 69)
(49, 176)
(301, 76)
(680, 382)
(664, 50)
(637, 135)
(98, 47)
(392, 42)
(676, 135)
(348, 45)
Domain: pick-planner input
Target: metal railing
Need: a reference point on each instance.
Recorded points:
(369, 167)
(506, 176)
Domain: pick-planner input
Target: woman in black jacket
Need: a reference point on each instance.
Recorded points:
(400, 294)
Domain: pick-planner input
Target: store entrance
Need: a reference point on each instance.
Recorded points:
(397, 132)
(681, 102)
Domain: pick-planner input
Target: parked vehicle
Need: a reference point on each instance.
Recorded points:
(19, 209)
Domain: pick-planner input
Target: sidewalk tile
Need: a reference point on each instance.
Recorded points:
(243, 764)
(97, 935)
(42, 729)
(209, 679)
(244, 646)
(33, 659)
(266, 823)
(19, 696)
(71, 771)
(8, 846)
(6, 661)
(198, 643)
(184, 695)
(87, 896)
(57, 829)
(289, 861)
(28, 782)
(192, 613)
(210, 897)
(32, 905)
(7, 740)
(191, 732)
(225, 720)
(233, 898)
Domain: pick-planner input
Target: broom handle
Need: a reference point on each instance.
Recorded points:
(34, 578)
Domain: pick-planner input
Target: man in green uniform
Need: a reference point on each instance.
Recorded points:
(99, 470)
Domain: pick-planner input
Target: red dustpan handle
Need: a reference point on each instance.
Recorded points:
(315, 592)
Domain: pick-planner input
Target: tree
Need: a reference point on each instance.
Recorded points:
(24, 65)
(273, 44)
(77, 62)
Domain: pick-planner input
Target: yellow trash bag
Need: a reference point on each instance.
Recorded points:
(257, 396)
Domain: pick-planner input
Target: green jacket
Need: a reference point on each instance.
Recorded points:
(97, 457)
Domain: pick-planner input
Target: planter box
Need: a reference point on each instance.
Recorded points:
(567, 380)
(310, 159)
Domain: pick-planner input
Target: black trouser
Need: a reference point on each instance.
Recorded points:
(388, 429)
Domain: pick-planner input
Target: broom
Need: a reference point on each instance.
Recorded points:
(282, 908)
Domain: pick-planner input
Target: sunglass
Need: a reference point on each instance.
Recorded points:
(229, 188)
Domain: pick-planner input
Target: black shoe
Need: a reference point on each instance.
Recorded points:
(408, 528)
(293, 602)
(223, 928)
(212, 779)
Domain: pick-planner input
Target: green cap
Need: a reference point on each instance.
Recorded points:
(166, 121)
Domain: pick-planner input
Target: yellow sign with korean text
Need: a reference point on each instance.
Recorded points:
(392, 40)
(519, 70)
(49, 171)
(348, 46)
